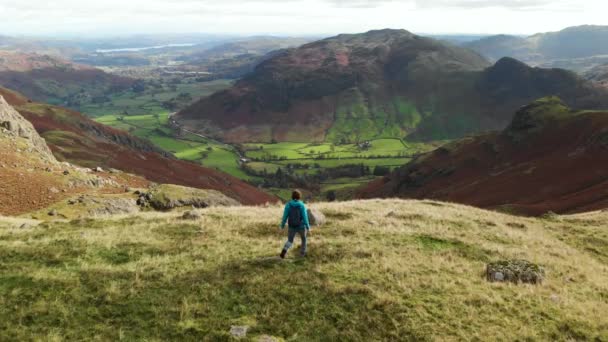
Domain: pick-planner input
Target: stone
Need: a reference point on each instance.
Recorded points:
(66, 172)
(192, 215)
(515, 271)
(53, 190)
(239, 331)
(316, 217)
(53, 212)
(98, 169)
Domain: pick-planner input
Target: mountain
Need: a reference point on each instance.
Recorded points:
(54, 80)
(237, 58)
(578, 48)
(388, 83)
(75, 138)
(550, 158)
(599, 75)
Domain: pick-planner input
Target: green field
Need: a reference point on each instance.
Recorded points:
(382, 152)
(150, 101)
(299, 158)
(188, 147)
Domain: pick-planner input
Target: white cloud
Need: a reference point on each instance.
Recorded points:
(295, 16)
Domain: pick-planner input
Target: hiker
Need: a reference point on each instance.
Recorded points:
(296, 216)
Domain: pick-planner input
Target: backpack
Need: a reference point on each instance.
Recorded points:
(295, 217)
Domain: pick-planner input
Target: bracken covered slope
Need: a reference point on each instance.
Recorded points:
(387, 83)
(74, 138)
(550, 158)
(31, 178)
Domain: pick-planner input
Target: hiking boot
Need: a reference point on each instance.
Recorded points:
(283, 253)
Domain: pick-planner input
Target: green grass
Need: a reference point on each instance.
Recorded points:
(376, 271)
(190, 147)
(151, 100)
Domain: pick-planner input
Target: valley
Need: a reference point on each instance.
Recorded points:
(158, 157)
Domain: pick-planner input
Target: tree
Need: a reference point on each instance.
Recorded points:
(331, 196)
(380, 171)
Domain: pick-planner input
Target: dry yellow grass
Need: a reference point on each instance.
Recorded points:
(378, 270)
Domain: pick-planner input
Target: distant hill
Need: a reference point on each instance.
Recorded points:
(75, 138)
(599, 75)
(54, 80)
(388, 83)
(550, 158)
(577, 48)
(237, 58)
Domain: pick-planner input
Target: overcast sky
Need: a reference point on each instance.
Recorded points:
(294, 17)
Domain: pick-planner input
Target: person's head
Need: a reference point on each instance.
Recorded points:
(296, 195)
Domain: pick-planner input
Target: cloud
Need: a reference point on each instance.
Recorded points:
(294, 16)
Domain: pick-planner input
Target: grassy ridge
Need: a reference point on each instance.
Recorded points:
(378, 270)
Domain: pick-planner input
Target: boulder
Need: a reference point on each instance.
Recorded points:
(515, 271)
(239, 331)
(192, 215)
(167, 197)
(316, 217)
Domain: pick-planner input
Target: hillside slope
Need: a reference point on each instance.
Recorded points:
(53, 80)
(381, 270)
(379, 84)
(550, 158)
(31, 178)
(81, 141)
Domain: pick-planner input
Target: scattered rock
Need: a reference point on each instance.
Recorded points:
(239, 331)
(98, 169)
(515, 271)
(315, 217)
(53, 212)
(192, 215)
(66, 172)
(25, 226)
(54, 190)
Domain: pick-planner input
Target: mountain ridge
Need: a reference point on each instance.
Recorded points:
(385, 83)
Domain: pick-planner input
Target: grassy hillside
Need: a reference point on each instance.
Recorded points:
(377, 270)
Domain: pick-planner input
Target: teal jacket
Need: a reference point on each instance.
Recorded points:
(303, 211)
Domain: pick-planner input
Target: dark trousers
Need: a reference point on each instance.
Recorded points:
(291, 237)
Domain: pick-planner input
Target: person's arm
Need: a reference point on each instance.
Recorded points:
(305, 216)
(285, 216)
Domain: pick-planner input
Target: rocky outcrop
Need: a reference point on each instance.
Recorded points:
(167, 197)
(515, 271)
(15, 125)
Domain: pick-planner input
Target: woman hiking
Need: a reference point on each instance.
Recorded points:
(296, 216)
